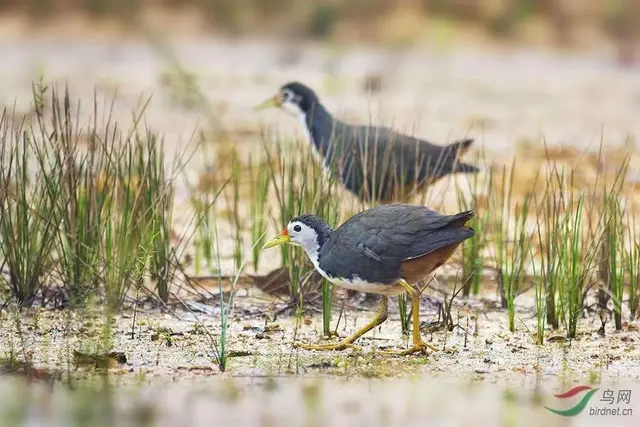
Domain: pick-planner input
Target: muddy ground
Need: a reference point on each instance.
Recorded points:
(483, 374)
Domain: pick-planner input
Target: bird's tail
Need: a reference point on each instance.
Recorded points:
(461, 146)
(466, 168)
(460, 219)
(448, 161)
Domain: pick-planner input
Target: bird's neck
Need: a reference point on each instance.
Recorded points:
(314, 256)
(319, 124)
(314, 251)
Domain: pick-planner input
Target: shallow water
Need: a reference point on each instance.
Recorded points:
(319, 401)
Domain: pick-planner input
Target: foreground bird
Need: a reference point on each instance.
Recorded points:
(374, 163)
(383, 250)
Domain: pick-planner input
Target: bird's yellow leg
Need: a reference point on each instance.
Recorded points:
(346, 343)
(418, 344)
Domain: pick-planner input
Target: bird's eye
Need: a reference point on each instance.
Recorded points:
(287, 96)
(297, 228)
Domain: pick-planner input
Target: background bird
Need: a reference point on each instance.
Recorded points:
(384, 250)
(375, 163)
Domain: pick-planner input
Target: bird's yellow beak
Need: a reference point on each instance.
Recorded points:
(282, 239)
(272, 102)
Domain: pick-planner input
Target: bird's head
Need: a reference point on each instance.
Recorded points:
(307, 231)
(295, 98)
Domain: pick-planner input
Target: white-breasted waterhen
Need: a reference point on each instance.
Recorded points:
(384, 250)
(374, 163)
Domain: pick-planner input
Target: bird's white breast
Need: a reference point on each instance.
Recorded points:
(360, 285)
(355, 283)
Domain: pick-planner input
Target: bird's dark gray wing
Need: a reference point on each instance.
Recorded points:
(408, 231)
(423, 160)
(374, 243)
(438, 239)
(374, 161)
(371, 165)
(393, 160)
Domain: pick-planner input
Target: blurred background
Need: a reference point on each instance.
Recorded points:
(503, 71)
(455, 63)
(558, 22)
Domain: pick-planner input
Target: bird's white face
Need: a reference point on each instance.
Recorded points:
(290, 102)
(300, 234)
(304, 236)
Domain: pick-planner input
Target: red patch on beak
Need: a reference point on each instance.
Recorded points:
(284, 232)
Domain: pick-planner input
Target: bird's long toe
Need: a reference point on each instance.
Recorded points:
(340, 346)
(420, 347)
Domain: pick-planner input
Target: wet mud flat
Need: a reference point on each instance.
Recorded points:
(482, 371)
